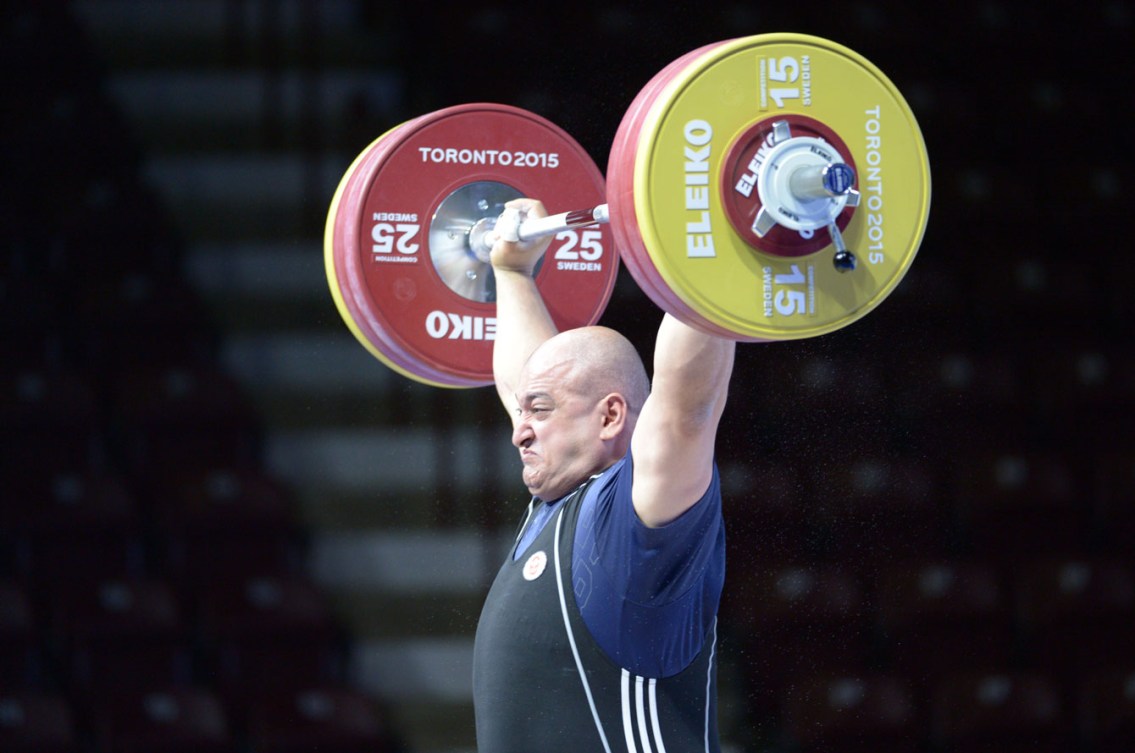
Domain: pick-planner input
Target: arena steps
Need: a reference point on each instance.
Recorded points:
(204, 35)
(223, 112)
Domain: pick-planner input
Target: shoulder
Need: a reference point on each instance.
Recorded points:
(609, 517)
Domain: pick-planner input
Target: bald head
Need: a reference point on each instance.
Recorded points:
(595, 361)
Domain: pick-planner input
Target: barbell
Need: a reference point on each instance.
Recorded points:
(765, 188)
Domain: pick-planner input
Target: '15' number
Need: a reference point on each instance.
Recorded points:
(788, 301)
(785, 71)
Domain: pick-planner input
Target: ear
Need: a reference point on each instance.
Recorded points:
(614, 415)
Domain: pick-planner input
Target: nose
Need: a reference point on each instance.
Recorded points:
(522, 434)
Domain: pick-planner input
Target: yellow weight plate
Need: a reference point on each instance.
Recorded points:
(678, 192)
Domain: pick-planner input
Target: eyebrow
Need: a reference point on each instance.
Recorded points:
(529, 397)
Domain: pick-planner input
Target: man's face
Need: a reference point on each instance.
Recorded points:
(557, 430)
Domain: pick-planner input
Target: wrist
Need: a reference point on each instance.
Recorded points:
(504, 270)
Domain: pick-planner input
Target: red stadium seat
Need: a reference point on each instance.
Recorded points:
(1115, 497)
(326, 719)
(172, 418)
(30, 321)
(138, 320)
(71, 524)
(37, 723)
(1106, 708)
(119, 636)
(943, 616)
(21, 665)
(48, 420)
(1001, 713)
(872, 510)
(183, 720)
(854, 714)
(268, 633)
(1023, 503)
(965, 382)
(1078, 615)
(1083, 378)
(223, 521)
(765, 515)
(799, 622)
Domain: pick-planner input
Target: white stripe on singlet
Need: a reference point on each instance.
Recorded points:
(628, 728)
(640, 708)
(658, 744)
(571, 635)
(645, 719)
(709, 682)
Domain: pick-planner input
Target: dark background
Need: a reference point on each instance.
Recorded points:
(937, 502)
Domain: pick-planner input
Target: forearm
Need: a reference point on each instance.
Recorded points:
(523, 324)
(523, 321)
(691, 373)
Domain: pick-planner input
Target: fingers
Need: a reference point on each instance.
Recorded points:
(509, 252)
(515, 213)
(533, 207)
(508, 225)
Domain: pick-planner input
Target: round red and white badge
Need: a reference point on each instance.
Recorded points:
(535, 565)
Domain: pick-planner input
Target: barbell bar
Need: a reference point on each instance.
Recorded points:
(807, 184)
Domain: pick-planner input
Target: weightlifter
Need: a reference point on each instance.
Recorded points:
(599, 632)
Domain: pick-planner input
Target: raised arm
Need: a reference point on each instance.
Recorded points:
(673, 444)
(523, 322)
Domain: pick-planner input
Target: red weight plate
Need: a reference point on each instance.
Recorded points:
(620, 197)
(346, 274)
(404, 212)
(339, 237)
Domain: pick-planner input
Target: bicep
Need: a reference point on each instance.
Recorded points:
(673, 442)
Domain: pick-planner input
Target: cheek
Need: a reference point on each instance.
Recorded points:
(571, 446)
(551, 442)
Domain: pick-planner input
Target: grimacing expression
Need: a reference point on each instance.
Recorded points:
(557, 429)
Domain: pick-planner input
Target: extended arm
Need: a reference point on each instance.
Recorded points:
(673, 444)
(523, 322)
